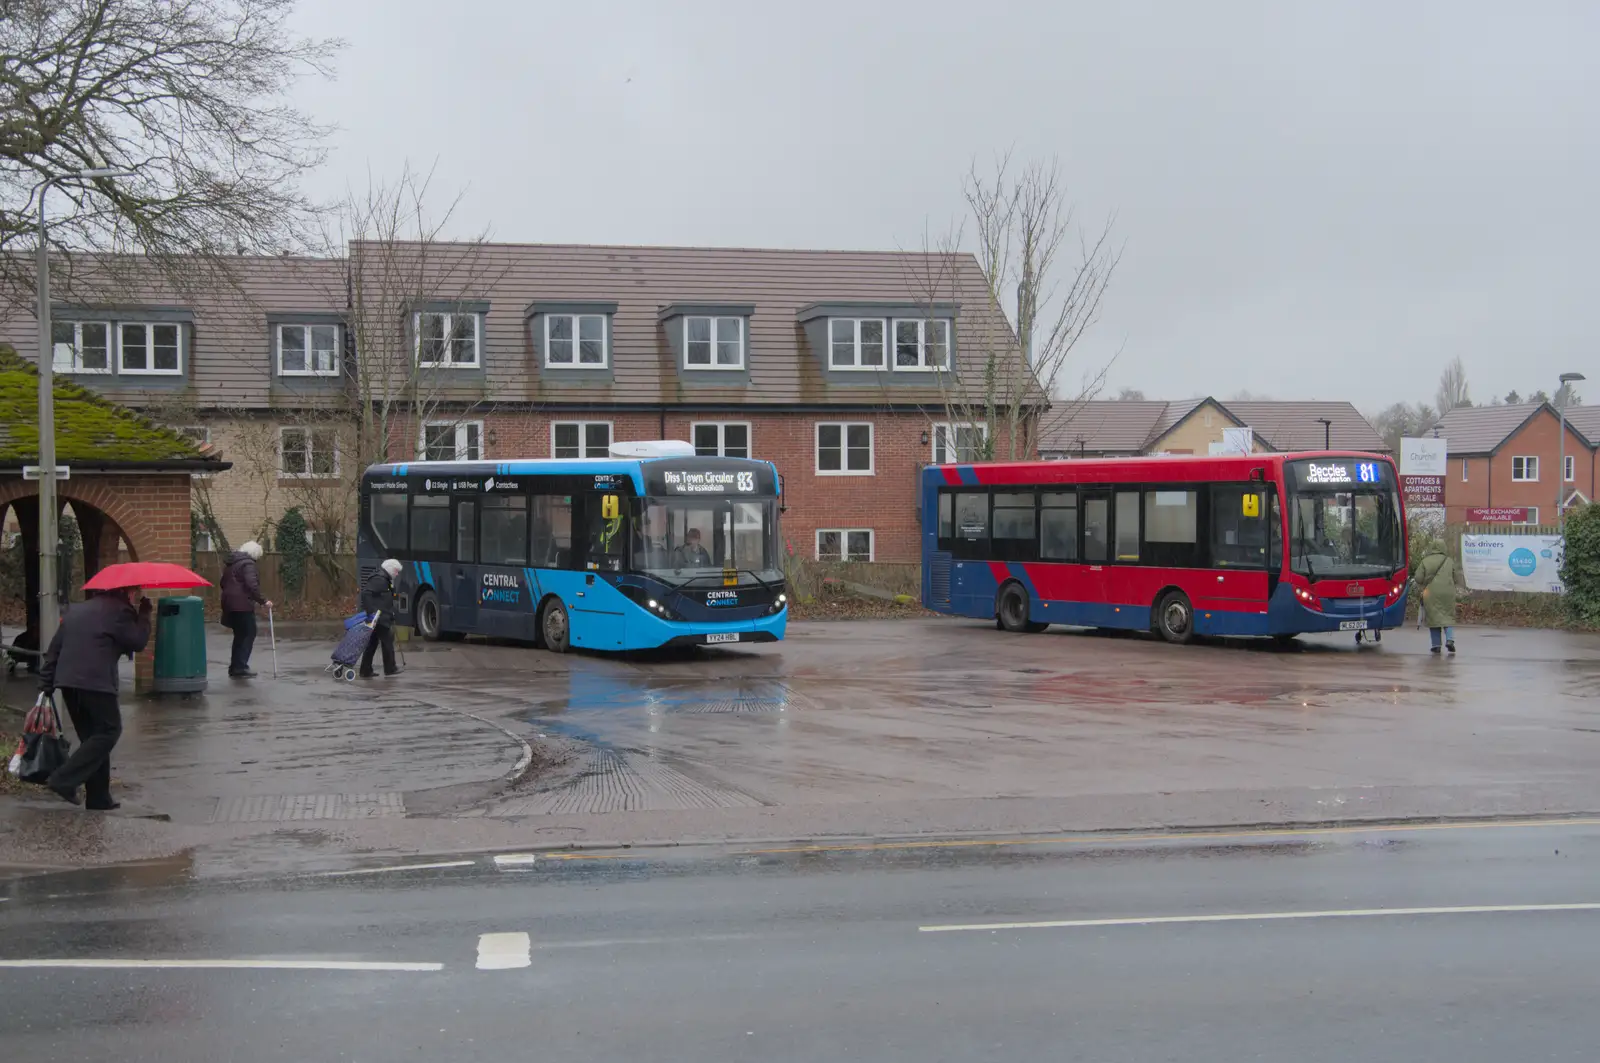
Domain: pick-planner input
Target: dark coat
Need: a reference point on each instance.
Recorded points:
(241, 584)
(92, 637)
(377, 596)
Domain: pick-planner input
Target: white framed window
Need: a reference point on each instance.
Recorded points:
(452, 441)
(922, 344)
(1463, 470)
(955, 443)
(203, 543)
(1533, 515)
(856, 343)
(844, 449)
(447, 340)
(80, 346)
(1525, 469)
(308, 350)
(150, 349)
(575, 341)
(721, 439)
(844, 544)
(580, 439)
(308, 453)
(713, 342)
(1569, 468)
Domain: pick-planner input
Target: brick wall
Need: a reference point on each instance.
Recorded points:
(149, 511)
(1489, 480)
(884, 501)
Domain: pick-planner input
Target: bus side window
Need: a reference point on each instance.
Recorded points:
(430, 525)
(972, 525)
(388, 516)
(1016, 534)
(551, 531)
(947, 519)
(1058, 526)
(466, 532)
(504, 530)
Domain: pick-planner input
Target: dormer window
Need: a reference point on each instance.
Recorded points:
(150, 349)
(922, 344)
(81, 346)
(575, 341)
(447, 340)
(856, 343)
(308, 350)
(713, 342)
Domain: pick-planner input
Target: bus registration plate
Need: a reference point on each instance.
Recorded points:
(722, 636)
(1352, 625)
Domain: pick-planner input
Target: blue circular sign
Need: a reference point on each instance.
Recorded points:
(1522, 561)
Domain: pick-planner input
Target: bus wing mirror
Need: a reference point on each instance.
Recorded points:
(1250, 505)
(610, 507)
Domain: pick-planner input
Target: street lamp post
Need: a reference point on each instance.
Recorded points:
(49, 605)
(1561, 467)
(1327, 432)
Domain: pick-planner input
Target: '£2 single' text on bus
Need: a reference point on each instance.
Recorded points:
(1259, 544)
(624, 553)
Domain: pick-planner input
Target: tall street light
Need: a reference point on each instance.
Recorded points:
(1327, 432)
(49, 605)
(1561, 469)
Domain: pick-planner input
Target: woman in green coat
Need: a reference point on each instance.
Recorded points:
(1435, 579)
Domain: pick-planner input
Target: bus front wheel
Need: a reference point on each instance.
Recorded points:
(1175, 617)
(428, 616)
(1012, 610)
(555, 627)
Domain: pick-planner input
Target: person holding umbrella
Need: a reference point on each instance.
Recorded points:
(82, 663)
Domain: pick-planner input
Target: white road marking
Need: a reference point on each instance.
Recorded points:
(227, 965)
(399, 867)
(505, 860)
(501, 952)
(1251, 917)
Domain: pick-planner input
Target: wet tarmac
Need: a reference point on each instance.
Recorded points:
(865, 729)
(1458, 944)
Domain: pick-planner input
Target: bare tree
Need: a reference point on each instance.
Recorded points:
(397, 380)
(188, 95)
(1030, 249)
(1452, 391)
(1402, 420)
(1130, 395)
(1566, 395)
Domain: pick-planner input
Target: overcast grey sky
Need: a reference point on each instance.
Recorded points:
(1316, 200)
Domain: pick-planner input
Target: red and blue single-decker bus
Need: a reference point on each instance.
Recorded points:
(1259, 544)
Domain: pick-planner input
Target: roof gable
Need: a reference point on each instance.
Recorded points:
(1485, 429)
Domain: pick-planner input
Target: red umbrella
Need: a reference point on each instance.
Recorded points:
(154, 574)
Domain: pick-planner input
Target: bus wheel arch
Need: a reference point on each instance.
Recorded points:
(1013, 608)
(555, 625)
(425, 614)
(1172, 616)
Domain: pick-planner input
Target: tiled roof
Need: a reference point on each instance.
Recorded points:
(1481, 429)
(1099, 427)
(1113, 427)
(1586, 419)
(1294, 425)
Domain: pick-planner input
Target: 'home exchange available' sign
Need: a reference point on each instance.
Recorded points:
(1422, 470)
(1512, 563)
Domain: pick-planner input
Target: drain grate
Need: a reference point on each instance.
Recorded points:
(614, 781)
(736, 705)
(287, 808)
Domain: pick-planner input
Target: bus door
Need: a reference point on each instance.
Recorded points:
(1095, 507)
(598, 608)
(1241, 542)
(465, 582)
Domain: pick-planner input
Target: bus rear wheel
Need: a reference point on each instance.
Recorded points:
(428, 616)
(1175, 617)
(554, 625)
(1012, 610)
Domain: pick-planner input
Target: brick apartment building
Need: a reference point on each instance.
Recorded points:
(841, 367)
(1120, 429)
(1508, 457)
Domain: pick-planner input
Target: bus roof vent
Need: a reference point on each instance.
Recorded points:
(653, 448)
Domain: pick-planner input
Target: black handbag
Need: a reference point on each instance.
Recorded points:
(44, 747)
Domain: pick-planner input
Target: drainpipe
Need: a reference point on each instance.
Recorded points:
(661, 432)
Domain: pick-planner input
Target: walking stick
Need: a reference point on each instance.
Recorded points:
(272, 633)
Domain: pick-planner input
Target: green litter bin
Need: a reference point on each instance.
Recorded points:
(180, 646)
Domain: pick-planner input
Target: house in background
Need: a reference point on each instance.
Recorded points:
(1509, 458)
(1121, 429)
(846, 369)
